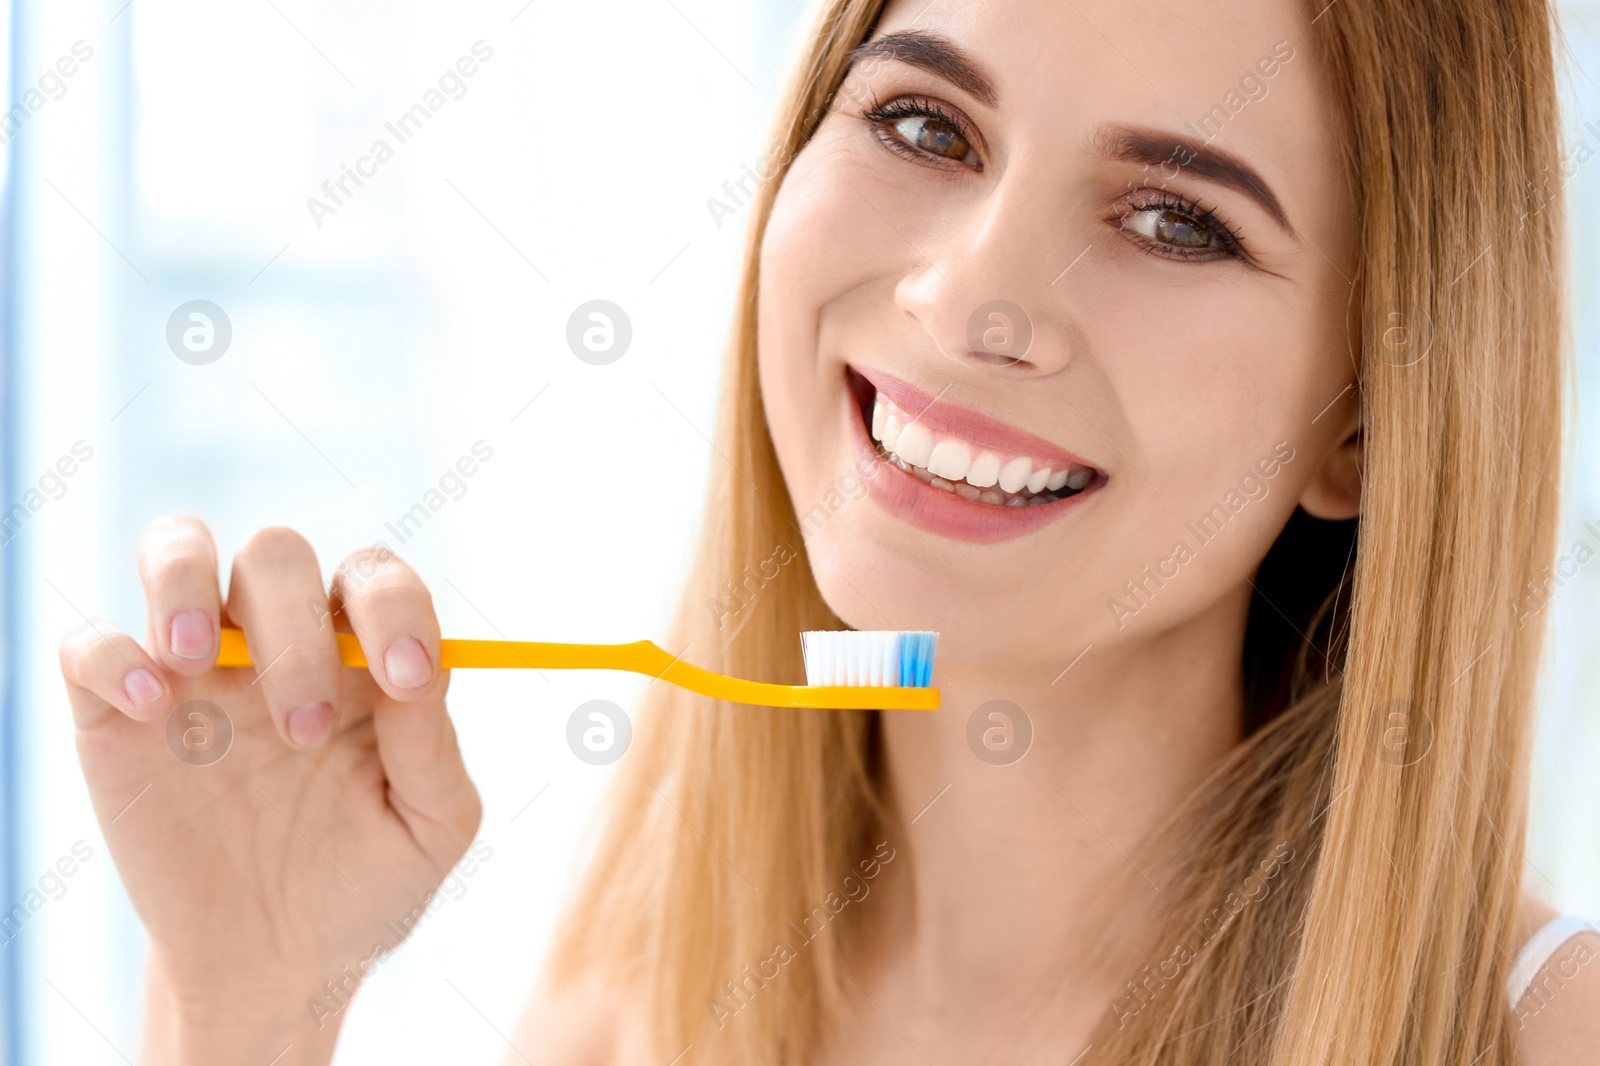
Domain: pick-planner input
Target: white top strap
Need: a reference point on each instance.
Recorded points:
(1537, 951)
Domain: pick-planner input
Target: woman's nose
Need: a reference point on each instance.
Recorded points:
(994, 289)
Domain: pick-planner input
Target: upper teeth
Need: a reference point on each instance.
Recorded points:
(951, 459)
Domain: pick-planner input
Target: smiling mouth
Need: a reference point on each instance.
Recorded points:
(982, 471)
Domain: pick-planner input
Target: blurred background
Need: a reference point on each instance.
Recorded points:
(349, 351)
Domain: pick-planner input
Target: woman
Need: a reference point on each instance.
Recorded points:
(1082, 334)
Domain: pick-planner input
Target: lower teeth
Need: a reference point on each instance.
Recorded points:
(994, 496)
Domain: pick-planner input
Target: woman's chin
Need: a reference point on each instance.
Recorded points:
(870, 588)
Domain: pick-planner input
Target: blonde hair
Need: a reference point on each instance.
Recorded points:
(1387, 938)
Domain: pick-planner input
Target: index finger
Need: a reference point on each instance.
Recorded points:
(178, 565)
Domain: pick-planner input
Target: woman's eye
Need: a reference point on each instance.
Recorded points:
(932, 135)
(1174, 228)
(1182, 230)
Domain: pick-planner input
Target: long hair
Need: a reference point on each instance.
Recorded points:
(1379, 798)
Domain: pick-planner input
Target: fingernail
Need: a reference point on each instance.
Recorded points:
(406, 664)
(142, 687)
(191, 636)
(311, 724)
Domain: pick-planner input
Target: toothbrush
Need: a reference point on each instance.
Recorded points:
(845, 669)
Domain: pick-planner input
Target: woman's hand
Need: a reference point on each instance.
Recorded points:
(275, 868)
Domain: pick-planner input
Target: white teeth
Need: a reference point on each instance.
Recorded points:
(1014, 474)
(985, 470)
(915, 444)
(891, 430)
(950, 459)
(954, 466)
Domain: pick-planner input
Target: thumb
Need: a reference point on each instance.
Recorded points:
(428, 786)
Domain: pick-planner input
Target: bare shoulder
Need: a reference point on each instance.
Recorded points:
(1558, 1018)
(579, 1025)
(1531, 916)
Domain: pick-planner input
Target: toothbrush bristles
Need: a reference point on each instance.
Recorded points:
(875, 658)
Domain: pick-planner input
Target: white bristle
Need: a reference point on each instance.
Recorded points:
(865, 657)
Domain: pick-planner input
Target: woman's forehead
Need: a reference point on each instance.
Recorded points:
(1151, 38)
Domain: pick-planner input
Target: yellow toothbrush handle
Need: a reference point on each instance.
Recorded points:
(467, 654)
(235, 652)
(640, 657)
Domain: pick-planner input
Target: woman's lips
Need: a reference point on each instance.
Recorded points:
(944, 419)
(940, 511)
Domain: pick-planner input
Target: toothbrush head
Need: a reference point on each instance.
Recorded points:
(877, 658)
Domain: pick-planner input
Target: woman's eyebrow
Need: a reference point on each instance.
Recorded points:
(1168, 152)
(935, 54)
(1171, 154)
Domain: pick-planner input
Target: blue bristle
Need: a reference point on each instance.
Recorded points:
(916, 659)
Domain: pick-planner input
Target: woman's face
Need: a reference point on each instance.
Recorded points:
(1040, 247)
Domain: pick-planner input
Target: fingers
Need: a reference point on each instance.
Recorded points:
(107, 672)
(428, 782)
(178, 565)
(295, 652)
(391, 613)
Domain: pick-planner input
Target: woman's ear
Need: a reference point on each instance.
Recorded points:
(1334, 491)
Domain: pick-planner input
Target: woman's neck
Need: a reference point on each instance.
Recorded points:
(1016, 876)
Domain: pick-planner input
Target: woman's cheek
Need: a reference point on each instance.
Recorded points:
(823, 248)
(1203, 365)
(826, 224)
